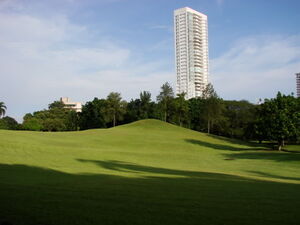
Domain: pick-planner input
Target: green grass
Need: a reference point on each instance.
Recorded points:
(293, 148)
(147, 172)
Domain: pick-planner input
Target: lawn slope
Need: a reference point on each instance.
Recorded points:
(147, 172)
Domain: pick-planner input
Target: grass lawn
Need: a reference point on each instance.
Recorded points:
(294, 148)
(147, 172)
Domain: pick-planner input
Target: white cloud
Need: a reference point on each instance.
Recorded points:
(257, 67)
(42, 60)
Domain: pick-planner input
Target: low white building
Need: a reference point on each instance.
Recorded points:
(77, 106)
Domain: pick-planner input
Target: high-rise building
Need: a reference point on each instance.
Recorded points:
(191, 49)
(298, 84)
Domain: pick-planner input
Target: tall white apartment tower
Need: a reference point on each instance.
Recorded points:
(191, 47)
(298, 84)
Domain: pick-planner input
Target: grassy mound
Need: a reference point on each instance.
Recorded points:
(147, 172)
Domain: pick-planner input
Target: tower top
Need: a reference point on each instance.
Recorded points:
(188, 9)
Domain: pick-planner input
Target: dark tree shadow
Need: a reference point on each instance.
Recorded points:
(33, 196)
(135, 168)
(263, 174)
(291, 151)
(223, 146)
(242, 142)
(272, 155)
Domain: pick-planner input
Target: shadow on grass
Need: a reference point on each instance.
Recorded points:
(33, 195)
(241, 142)
(135, 168)
(263, 174)
(270, 155)
(224, 146)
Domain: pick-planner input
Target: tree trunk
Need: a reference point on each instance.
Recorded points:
(114, 122)
(208, 126)
(166, 116)
(280, 145)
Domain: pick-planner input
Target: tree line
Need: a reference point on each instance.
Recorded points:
(276, 119)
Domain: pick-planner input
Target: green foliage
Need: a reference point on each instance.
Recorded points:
(32, 123)
(181, 109)
(56, 104)
(208, 113)
(196, 110)
(133, 110)
(54, 124)
(92, 115)
(142, 108)
(279, 119)
(165, 99)
(115, 108)
(9, 123)
(145, 105)
(212, 107)
(72, 122)
(56, 118)
(239, 119)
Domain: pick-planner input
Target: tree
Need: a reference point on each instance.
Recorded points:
(56, 118)
(196, 118)
(279, 119)
(181, 107)
(2, 109)
(212, 106)
(72, 122)
(132, 111)
(116, 108)
(54, 124)
(56, 104)
(32, 123)
(239, 116)
(145, 103)
(93, 114)
(165, 98)
(8, 123)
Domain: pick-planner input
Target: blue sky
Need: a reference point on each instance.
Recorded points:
(87, 48)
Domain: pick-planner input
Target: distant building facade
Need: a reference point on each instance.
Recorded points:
(76, 106)
(298, 84)
(191, 49)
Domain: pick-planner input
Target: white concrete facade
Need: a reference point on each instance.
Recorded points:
(298, 84)
(76, 106)
(191, 52)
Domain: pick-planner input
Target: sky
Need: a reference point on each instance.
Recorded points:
(83, 49)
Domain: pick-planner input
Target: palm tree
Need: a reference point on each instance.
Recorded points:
(2, 109)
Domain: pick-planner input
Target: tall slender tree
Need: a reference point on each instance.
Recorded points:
(116, 108)
(145, 100)
(181, 108)
(165, 98)
(2, 109)
(212, 106)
